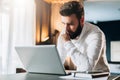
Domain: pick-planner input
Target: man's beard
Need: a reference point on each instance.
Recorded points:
(73, 35)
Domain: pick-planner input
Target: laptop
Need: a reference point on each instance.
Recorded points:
(41, 59)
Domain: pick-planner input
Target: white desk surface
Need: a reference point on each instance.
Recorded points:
(29, 76)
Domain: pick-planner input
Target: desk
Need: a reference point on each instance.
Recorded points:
(29, 76)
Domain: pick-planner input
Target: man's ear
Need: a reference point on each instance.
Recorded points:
(82, 20)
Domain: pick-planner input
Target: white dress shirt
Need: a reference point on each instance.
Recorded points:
(88, 51)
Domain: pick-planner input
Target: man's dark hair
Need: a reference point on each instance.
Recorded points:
(72, 7)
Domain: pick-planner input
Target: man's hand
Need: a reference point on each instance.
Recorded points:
(66, 37)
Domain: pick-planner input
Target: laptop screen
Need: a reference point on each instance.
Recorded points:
(41, 59)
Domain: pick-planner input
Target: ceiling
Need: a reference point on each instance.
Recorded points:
(98, 10)
(59, 1)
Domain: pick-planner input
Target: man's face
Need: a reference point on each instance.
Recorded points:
(72, 25)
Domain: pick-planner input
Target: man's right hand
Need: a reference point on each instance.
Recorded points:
(66, 37)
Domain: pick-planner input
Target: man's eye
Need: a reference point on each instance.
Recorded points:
(71, 24)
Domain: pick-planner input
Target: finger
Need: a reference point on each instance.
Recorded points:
(67, 32)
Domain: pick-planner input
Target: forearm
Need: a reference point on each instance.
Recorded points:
(86, 59)
(61, 50)
(79, 59)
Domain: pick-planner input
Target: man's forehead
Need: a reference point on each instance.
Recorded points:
(68, 19)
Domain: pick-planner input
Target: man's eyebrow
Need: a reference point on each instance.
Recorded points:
(69, 23)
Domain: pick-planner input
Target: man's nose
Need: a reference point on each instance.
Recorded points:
(67, 27)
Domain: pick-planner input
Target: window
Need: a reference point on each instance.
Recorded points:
(115, 51)
(17, 28)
